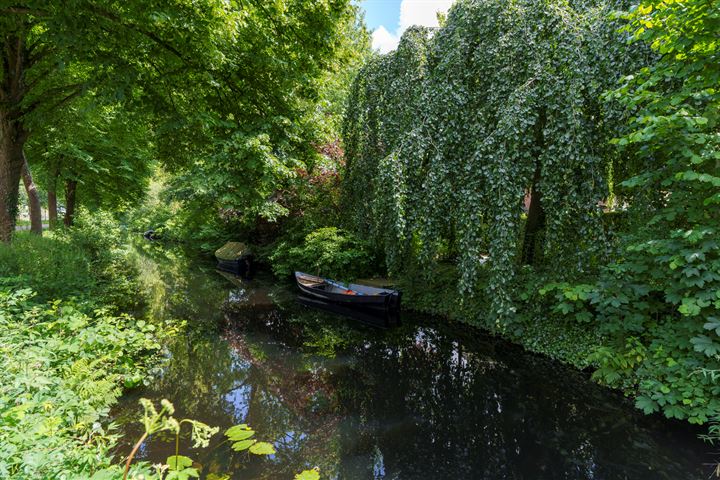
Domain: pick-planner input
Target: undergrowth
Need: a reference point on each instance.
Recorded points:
(62, 370)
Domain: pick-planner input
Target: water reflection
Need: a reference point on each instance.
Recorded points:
(423, 401)
(369, 316)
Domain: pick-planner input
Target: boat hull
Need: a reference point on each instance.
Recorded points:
(382, 300)
(242, 266)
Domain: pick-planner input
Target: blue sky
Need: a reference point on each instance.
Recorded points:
(381, 12)
(388, 19)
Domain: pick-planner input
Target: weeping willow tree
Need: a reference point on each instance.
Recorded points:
(450, 135)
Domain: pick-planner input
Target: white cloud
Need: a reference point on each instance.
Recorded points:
(383, 40)
(421, 12)
(412, 12)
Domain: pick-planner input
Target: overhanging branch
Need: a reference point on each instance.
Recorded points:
(23, 11)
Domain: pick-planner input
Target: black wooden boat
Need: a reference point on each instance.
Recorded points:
(350, 294)
(235, 258)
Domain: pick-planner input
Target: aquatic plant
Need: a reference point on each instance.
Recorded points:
(180, 467)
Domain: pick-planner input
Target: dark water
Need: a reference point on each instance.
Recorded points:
(423, 401)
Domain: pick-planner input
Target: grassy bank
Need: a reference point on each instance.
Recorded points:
(68, 346)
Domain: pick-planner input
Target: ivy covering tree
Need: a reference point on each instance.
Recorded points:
(450, 132)
(659, 300)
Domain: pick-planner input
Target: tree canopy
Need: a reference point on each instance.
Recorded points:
(450, 132)
(215, 81)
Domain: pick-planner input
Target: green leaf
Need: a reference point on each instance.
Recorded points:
(184, 474)
(713, 324)
(689, 307)
(262, 448)
(217, 476)
(704, 344)
(674, 411)
(646, 404)
(178, 462)
(239, 432)
(313, 474)
(242, 445)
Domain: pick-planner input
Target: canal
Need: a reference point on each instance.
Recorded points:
(426, 400)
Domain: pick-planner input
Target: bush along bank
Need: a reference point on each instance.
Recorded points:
(62, 370)
(68, 347)
(90, 261)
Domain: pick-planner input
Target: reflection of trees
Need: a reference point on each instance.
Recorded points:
(222, 373)
(422, 403)
(414, 402)
(180, 286)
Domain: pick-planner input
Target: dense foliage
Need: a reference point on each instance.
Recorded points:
(91, 261)
(546, 169)
(612, 145)
(121, 52)
(96, 153)
(327, 251)
(62, 369)
(447, 135)
(216, 91)
(659, 301)
(266, 121)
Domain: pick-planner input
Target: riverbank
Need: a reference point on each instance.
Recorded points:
(544, 334)
(69, 347)
(656, 368)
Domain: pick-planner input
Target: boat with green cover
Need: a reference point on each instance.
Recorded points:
(235, 257)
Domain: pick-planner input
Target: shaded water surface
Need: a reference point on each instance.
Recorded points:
(423, 401)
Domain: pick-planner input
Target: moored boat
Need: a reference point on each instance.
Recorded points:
(348, 294)
(235, 257)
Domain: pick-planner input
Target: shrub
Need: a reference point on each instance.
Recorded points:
(49, 265)
(659, 308)
(327, 251)
(62, 369)
(89, 260)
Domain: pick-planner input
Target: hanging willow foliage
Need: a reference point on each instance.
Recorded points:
(448, 133)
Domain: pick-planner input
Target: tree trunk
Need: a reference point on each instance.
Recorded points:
(70, 190)
(33, 199)
(13, 135)
(52, 208)
(536, 214)
(12, 139)
(535, 221)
